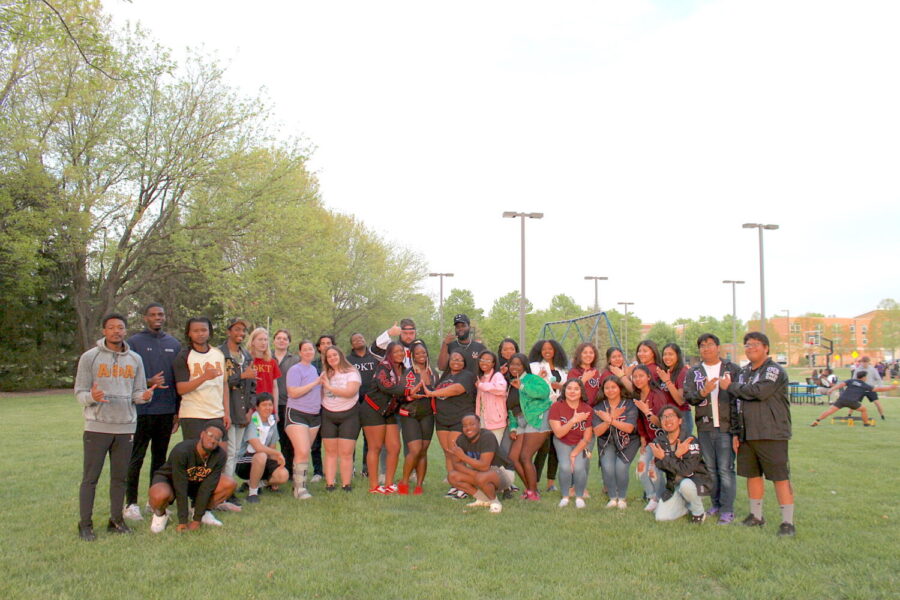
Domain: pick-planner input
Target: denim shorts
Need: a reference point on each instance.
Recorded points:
(545, 424)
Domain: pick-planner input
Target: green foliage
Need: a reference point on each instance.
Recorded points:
(885, 329)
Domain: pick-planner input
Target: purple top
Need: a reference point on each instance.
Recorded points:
(311, 401)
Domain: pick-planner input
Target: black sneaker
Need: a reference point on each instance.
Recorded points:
(347, 488)
(330, 488)
(244, 487)
(253, 499)
(697, 519)
(86, 532)
(234, 500)
(882, 417)
(752, 521)
(119, 527)
(786, 530)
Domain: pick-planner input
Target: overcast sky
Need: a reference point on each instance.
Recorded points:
(646, 131)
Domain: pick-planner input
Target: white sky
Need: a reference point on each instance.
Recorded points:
(647, 135)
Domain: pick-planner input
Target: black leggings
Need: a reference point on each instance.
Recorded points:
(546, 453)
(96, 447)
(154, 431)
(415, 429)
(287, 449)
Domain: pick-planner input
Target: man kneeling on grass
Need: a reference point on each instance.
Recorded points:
(258, 459)
(479, 466)
(192, 473)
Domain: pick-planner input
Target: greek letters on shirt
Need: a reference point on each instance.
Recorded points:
(114, 370)
(700, 380)
(198, 473)
(579, 426)
(199, 368)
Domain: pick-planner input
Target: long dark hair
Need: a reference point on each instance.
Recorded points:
(657, 359)
(387, 361)
(576, 362)
(559, 355)
(580, 385)
(493, 356)
(507, 341)
(609, 353)
(679, 359)
(526, 366)
(623, 391)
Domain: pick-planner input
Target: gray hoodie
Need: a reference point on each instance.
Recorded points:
(121, 377)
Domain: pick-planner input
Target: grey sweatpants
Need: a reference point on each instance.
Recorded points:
(96, 447)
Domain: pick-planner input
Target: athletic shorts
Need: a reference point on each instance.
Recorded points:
(343, 424)
(296, 417)
(192, 428)
(545, 424)
(415, 429)
(369, 418)
(846, 404)
(448, 426)
(756, 458)
(242, 469)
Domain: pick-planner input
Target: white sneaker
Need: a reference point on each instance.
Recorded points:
(579, 503)
(229, 506)
(316, 479)
(651, 506)
(478, 504)
(564, 502)
(496, 506)
(614, 502)
(132, 512)
(210, 519)
(158, 523)
(302, 494)
(622, 503)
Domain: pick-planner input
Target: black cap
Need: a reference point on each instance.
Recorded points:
(461, 318)
(235, 321)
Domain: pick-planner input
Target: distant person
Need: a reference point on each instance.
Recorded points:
(340, 417)
(365, 361)
(478, 465)
(679, 457)
(854, 391)
(157, 420)
(193, 478)
(406, 335)
(304, 387)
(764, 411)
(570, 420)
(240, 378)
(873, 378)
(285, 359)
(548, 361)
(109, 382)
(490, 400)
(615, 425)
(324, 342)
(417, 420)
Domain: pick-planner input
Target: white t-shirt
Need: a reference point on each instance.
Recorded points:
(341, 380)
(713, 371)
(205, 402)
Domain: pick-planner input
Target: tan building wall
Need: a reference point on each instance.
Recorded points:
(848, 334)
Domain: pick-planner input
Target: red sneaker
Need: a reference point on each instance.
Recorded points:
(417, 491)
(403, 489)
(392, 489)
(378, 490)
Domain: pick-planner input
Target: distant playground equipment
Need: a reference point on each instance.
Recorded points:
(594, 327)
(814, 342)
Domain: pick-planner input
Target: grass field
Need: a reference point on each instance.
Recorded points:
(362, 546)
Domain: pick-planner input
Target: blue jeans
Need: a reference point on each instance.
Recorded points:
(718, 455)
(615, 472)
(683, 500)
(653, 480)
(565, 474)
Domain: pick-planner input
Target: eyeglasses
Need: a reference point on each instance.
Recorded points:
(708, 345)
(486, 359)
(752, 346)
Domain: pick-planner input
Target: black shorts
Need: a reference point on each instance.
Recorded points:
(448, 427)
(192, 428)
(193, 486)
(296, 417)
(756, 458)
(415, 429)
(343, 425)
(369, 418)
(242, 469)
(846, 404)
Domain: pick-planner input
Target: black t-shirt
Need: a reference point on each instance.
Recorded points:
(451, 410)
(856, 390)
(366, 367)
(486, 442)
(469, 351)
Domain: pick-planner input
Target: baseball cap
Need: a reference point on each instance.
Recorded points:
(235, 321)
(461, 318)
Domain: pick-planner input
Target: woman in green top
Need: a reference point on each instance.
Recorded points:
(534, 400)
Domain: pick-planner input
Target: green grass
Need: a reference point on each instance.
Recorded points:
(360, 546)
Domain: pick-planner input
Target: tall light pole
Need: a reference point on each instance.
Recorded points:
(788, 335)
(522, 216)
(734, 345)
(441, 299)
(625, 329)
(596, 297)
(762, 277)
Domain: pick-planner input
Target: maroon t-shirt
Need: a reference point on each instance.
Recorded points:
(560, 411)
(656, 401)
(591, 386)
(678, 381)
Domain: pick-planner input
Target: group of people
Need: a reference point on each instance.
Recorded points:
(865, 382)
(263, 414)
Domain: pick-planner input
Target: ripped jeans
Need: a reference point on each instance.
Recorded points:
(653, 480)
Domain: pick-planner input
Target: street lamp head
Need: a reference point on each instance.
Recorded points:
(770, 226)
(731, 281)
(535, 215)
(751, 225)
(591, 277)
(510, 214)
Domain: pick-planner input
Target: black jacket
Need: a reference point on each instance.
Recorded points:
(763, 402)
(693, 395)
(690, 466)
(241, 392)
